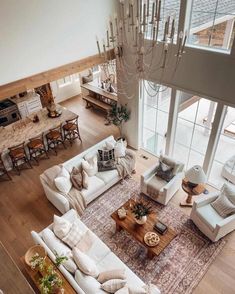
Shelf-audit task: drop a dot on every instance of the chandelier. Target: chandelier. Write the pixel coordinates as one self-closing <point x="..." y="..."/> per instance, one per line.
<point x="143" y="42"/>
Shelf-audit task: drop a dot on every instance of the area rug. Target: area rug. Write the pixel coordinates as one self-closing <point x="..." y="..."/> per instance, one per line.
<point x="180" y="267"/>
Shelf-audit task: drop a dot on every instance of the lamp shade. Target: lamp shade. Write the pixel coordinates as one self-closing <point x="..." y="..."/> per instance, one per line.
<point x="196" y="175"/>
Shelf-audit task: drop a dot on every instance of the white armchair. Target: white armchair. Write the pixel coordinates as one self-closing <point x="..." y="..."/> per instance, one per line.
<point x="164" y="190"/>
<point x="208" y="220"/>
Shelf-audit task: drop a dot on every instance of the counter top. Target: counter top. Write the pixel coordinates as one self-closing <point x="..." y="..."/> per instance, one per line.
<point x="24" y="129"/>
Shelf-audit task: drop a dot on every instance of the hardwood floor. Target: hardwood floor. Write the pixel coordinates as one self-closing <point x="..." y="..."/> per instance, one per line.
<point x="24" y="207"/>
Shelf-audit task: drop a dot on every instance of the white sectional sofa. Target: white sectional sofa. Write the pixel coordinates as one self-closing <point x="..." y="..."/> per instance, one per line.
<point x="104" y="258"/>
<point x="97" y="184"/>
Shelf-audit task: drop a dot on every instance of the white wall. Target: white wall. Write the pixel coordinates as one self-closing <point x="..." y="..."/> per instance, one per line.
<point x="37" y="35"/>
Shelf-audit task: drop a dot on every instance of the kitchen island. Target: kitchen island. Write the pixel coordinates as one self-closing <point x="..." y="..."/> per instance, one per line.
<point x="24" y="129"/>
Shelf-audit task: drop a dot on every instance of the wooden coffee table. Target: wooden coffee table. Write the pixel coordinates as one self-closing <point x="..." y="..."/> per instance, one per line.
<point x="138" y="231"/>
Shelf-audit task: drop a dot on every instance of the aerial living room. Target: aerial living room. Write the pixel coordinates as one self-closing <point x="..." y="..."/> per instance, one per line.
<point x="117" y="146"/>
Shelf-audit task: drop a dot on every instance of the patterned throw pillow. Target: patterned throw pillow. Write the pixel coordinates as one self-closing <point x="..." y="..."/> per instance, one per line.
<point x="74" y="236"/>
<point x="76" y="178"/>
<point x="223" y="206"/>
<point x="106" y="155"/>
<point x="164" y="171"/>
<point x="113" y="285"/>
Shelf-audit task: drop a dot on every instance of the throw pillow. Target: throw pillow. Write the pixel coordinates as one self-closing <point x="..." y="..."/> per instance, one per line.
<point x="229" y="191"/>
<point x="137" y="290"/>
<point x="223" y="206"/>
<point x="119" y="149"/>
<point x="85" y="263"/>
<point x="105" y="155"/>
<point x="74" y="235"/>
<point x="61" y="226"/>
<point x="110" y="144"/>
<point x="114" y="285"/>
<point x="85" y="180"/>
<point x="164" y="171"/>
<point x="123" y="290"/>
<point x="90" y="166"/>
<point x="62" y="181"/>
<point x="88" y="284"/>
<point x="76" y="178"/>
<point x="111" y="274"/>
<point x="106" y="165"/>
<point x="86" y="242"/>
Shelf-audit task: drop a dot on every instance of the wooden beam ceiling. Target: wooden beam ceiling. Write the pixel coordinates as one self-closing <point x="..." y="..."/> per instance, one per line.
<point x="40" y="79"/>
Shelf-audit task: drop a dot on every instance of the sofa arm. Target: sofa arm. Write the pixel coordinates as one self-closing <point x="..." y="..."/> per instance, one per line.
<point x="176" y="179"/>
<point x="203" y="199"/>
<point x="148" y="173"/>
<point x="230" y="220"/>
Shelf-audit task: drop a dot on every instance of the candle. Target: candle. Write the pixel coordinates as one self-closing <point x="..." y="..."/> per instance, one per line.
<point x="144" y="14"/>
<point x="165" y="32"/>
<point x="159" y="10"/>
<point x="180" y="42"/>
<point x="156" y="9"/>
<point x="98" y="45"/>
<point x="167" y="27"/>
<point x="132" y="15"/>
<point x="147" y="8"/>
<point x="172" y="28"/>
<point x="111" y="30"/>
<point x="154" y="32"/>
<point x="136" y="36"/>
<point x="140" y="16"/>
<point x="107" y="38"/>
<point x="185" y="37"/>
<point x="137" y="8"/>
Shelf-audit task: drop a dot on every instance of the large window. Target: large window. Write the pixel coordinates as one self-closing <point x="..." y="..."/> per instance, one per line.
<point x="211" y="23"/>
<point x="223" y="166"/>
<point x="155" y="116"/>
<point x="193" y="129"/>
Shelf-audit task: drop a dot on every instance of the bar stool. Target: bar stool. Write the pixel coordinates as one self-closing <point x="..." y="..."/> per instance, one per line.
<point x="36" y="148"/>
<point x="18" y="156"/>
<point x="71" y="130"/>
<point x="54" y="138"/>
<point x="3" y="170"/>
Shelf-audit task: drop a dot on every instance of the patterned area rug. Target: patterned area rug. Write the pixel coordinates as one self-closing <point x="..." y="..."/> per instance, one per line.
<point x="179" y="268"/>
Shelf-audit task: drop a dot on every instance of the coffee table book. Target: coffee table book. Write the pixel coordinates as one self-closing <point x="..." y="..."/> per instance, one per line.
<point x="138" y="231"/>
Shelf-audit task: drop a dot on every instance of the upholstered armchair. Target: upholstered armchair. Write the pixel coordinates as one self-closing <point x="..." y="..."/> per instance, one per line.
<point x="158" y="189"/>
<point x="208" y="220"/>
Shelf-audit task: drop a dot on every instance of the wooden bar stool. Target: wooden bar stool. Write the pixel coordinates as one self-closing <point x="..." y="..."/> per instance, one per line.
<point x="18" y="156"/>
<point x="54" y="138"/>
<point x="37" y="148"/>
<point x="3" y="170"/>
<point x="71" y="130"/>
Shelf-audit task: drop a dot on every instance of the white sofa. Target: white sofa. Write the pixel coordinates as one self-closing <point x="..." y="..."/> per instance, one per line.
<point x="97" y="185"/>
<point x="208" y="220"/>
<point x="104" y="258"/>
<point x="166" y="189"/>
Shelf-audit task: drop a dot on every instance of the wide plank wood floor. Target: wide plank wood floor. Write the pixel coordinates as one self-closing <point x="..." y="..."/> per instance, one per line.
<point x="24" y="207"/>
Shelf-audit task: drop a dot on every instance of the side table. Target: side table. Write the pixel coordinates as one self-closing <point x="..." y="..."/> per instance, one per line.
<point x="199" y="189"/>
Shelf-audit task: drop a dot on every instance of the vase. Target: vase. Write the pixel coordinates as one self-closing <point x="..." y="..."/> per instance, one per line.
<point x="142" y="220"/>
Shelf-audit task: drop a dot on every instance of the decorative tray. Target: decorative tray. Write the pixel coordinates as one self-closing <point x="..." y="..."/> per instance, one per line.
<point x="151" y="239"/>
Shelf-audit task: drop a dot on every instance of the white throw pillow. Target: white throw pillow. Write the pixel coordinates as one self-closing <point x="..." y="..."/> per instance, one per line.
<point x="229" y="191"/>
<point x="111" y="274"/>
<point x="90" y="166"/>
<point x="110" y="145"/>
<point x="85" y="263"/>
<point x="85" y="180"/>
<point x="61" y="226"/>
<point x="119" y="149"/>
<point x="74" y="235"/>
<point x="63" y="182"/>
<point x="88" y="284"/>
<point x="137" y="290"/>
<point x="55" y="245"/>
<point x="123" y="290"/>
<point x="113" y="285"/>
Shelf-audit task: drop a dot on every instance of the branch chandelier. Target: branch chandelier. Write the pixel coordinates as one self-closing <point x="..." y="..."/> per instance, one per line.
<point x="134" y="35"/>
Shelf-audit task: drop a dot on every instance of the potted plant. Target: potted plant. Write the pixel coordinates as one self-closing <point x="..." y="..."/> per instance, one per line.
<point x="141" y="211"/>
<point x="118" y="115"/>
<point x="51" y="282"/>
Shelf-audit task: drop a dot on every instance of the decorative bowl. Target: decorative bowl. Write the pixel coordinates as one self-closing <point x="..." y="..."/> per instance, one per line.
<point x="151" y="239"/>
<point x="32" y="251"/>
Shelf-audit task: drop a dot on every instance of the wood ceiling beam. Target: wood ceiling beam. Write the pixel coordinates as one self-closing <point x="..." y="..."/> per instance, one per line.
<point x="43" y="78"/>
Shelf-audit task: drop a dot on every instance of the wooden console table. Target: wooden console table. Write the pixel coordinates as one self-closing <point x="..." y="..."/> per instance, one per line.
<point x="98" y="97"/>
<point x="199" y="189"/>
<point x="35" y="276"/>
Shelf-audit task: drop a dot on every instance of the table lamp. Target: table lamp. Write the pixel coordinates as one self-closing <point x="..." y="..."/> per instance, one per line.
<point x="195" y="175"/>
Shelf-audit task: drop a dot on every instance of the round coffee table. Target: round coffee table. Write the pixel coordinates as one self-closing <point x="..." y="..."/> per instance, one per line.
<point x="199" y="189"/>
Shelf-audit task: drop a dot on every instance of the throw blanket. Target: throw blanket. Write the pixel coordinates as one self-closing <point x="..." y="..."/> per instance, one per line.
<point x="126" y="165"/>
<point x="74" y="196"/>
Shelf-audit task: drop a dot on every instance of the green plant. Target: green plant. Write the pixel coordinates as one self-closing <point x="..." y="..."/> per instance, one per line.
<point x="37" y="262"/>
<point x="59" y="259"/>
<point x="140" y="209"/>
<point x="50" y="281"/>
<point x="118" y="115"/>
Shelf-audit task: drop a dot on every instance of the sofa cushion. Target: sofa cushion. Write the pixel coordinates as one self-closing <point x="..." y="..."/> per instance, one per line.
<point x="154" y="185"/>
<point x="85" y="263"/>
<point x="56" y="245"/>
<point x="61" y="226"/>
<point x="229" y="191"/>
<point x="113" y="285"/>
<point x="85" y="180"/>
<point x="223" y="206"/>
<point x="90" y="166"/>
<point x="209" y="216"/>
<point x="86" y="242"/>
<point x="111" y="274"/>
<point x="63" y="182"/>
<point x="108" y="176"/>
<point x="87" y="283"/>
<point x="94" y="184"/>
<point x="73" y="236"/>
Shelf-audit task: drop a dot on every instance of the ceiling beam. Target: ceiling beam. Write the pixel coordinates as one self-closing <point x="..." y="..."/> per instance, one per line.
<point x="43" y="78"/>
